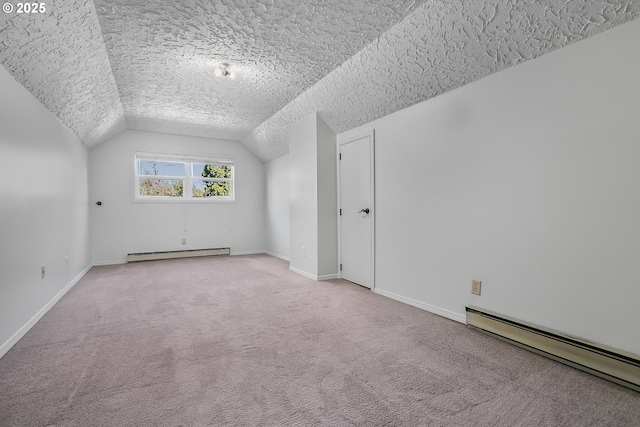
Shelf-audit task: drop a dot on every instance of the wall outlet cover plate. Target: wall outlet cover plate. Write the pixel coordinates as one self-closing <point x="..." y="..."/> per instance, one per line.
<point x="476" y="287"/>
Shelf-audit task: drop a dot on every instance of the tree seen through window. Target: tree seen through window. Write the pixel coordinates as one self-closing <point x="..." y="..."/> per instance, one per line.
<point x="182" y="178"/>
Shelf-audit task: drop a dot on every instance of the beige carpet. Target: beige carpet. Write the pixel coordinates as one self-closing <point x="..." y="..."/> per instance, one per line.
<point x="243" y="341"/>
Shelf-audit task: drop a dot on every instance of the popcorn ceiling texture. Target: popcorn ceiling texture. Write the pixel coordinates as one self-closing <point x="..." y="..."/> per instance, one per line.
<point x="108" y="65"/>
<point x="60" y="58"/>
<point x="441" y="46"/>
<point x="163" y="55"/>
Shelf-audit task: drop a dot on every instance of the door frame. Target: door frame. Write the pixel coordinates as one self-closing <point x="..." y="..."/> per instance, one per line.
<point x="372" y="215"/>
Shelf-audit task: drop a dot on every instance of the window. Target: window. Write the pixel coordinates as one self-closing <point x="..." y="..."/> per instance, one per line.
<point x="182" y="178"/>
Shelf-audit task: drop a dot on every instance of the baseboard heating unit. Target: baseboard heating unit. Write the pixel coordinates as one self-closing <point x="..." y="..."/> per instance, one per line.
<point x="151" y="256"/>
<point x="612" y="364"/>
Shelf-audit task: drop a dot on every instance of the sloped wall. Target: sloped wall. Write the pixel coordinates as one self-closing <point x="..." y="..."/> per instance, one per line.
<point x="44" y="213"/>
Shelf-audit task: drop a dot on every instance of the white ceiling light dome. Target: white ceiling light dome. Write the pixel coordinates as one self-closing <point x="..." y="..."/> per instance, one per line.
<point x="225" y="70"/>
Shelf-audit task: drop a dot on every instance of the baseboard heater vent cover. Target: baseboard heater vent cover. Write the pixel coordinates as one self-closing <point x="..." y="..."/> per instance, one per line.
<point x="614" y="365"/>
<point x="151" y="256"/>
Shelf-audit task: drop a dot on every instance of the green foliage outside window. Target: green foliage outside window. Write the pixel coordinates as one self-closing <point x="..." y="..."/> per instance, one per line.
<point x="188" y="179"/>
<point x="216" y="188"/>
<point x="161" y="187"/>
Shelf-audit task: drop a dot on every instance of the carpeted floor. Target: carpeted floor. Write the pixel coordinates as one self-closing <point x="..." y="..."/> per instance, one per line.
<point x="243" y="341"/>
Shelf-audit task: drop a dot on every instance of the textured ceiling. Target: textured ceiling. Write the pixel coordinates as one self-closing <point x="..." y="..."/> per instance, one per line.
<point x="105" y="65"/>
<point x="108" y="65"/>
<point x="60" y="58"/>
<point x="441" y="46"/>
<point x="163" y="54"/>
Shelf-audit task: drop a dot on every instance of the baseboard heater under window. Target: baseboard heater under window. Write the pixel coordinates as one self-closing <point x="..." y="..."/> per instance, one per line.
<point x="151" y="256"/>
<point x="612" y="364"/>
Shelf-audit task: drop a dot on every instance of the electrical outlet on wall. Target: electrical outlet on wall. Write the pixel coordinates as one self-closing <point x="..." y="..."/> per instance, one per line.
<point x="476" y="286"/>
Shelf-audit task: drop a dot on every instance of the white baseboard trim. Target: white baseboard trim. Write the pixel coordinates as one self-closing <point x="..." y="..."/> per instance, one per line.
<point x="22" y="331"/>
<point x="313" y="276"/>
<point x="303" y="273"/>
<point x="423" y="306"/>
<point x="282" y="257"/>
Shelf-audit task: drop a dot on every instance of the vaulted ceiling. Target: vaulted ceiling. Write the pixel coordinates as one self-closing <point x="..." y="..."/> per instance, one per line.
<point x="107" y="65"/>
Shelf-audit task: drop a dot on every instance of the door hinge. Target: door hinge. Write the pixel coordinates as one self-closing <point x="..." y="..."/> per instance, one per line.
<point x="340" y="267"/>
<point x="340" y="156"/>
<point x="340" y="212"/>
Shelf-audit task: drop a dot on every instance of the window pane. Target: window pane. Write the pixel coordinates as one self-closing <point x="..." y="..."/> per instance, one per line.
<point x="161" y="187"/>
<point x="211" y="171"/>
<point x="211" y="189"/>
<point x="155" y="167"/>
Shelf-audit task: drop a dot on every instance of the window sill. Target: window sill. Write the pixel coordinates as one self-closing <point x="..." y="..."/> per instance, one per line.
<point x="185" y="201"/>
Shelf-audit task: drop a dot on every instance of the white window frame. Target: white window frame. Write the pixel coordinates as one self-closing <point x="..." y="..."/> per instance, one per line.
<point x="188" y="178"/>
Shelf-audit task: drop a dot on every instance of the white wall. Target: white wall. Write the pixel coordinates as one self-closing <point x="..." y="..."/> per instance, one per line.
<point x="313" y="199"/>
<point x="277" y="207"/>
<point x="327" y="200"/>
<point x="44" y="215"/>
<point x="528" y="180"/>
<point x="121" y="226"/>
<point x="303" y="196"/>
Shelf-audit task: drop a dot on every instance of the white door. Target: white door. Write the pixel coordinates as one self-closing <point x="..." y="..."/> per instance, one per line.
<point x="356" y="210"/>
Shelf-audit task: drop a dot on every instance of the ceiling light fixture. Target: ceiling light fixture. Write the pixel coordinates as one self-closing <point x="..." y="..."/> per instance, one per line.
<point x="225" y="70"/>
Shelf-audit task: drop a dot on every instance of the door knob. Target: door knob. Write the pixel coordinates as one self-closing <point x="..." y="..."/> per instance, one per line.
<point x="365" y="210"/>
